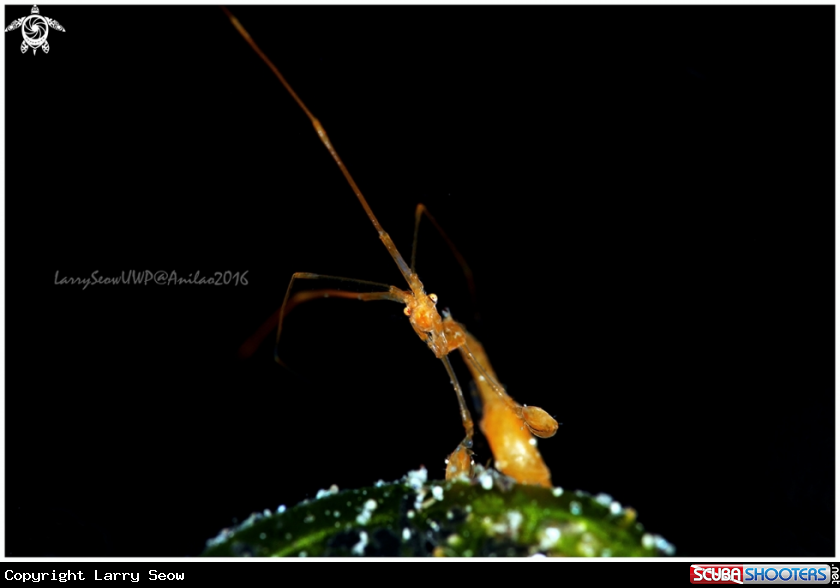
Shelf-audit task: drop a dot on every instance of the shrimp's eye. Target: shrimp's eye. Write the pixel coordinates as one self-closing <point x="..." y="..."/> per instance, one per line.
<point x="433" y="298"/>
<point x="539" y="422"/>
<point x="407" y="311"/>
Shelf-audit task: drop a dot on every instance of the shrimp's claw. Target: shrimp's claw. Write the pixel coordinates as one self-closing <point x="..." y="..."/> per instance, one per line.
<point x="539" y="422"/>
<point x="460" y="463"/>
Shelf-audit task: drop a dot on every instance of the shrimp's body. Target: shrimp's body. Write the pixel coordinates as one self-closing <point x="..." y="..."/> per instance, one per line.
<point x="507" y="425"/>
<point x="513" y="445"/>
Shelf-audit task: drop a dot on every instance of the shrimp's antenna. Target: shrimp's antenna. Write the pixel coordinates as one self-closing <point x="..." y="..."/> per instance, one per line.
<point x="410" y="277"/>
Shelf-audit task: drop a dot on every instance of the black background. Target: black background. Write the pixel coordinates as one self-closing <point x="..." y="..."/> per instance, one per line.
<point x="645" y="196"/>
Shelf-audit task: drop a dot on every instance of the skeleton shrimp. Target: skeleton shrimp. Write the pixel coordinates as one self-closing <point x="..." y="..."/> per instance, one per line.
<point x="508" y="426"/>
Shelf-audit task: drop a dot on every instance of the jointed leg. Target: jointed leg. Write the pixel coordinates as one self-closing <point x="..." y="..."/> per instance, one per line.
<point x="460" y="461"/>
<point x="466" y="418"/>
<point x="276" y="320"/>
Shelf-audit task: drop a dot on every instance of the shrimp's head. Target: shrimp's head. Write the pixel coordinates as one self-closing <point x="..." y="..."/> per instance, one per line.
<point x="421" y="309"/>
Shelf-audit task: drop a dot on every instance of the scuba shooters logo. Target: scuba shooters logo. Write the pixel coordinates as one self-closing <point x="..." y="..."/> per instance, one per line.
<point x="35" y="29"/>
<point x="760" y="574"/>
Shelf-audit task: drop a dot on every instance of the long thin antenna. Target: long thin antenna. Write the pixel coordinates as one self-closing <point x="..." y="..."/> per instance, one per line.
<point x="383" y="236"/>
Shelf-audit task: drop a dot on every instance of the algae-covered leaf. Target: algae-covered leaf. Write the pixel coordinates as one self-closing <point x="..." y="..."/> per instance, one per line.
<point x="488" y="516"/>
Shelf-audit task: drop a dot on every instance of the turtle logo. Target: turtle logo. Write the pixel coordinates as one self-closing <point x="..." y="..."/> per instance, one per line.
<point x="35" y="30"/>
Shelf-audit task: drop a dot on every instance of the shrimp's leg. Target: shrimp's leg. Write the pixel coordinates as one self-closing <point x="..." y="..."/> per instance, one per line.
<point x="275" y="321"/>
<point x="460" y="461"/>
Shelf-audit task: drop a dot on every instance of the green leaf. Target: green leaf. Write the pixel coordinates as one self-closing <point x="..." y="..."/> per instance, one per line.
<point x="490" y="515"/>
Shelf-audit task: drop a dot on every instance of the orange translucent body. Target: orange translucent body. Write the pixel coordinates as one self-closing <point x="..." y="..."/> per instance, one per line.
<point x="508" y="426"/>
<point x="514" y="447"/>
